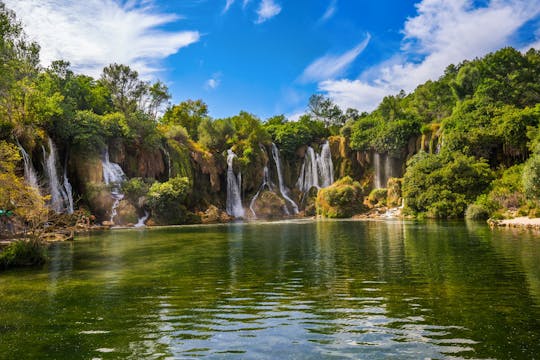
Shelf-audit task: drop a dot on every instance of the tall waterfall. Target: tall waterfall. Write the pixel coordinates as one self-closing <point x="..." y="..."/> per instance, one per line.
<point x="385" y="167"/>
<point x="113" y="175"/>
<point x="234" y="185"/>
<point x="61" y="196"/>
<point x="30" y="174"/>
<point x="282" y="189"/>
<point x="317" y="170"/>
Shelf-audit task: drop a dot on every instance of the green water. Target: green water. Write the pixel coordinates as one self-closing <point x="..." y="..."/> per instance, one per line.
<point x="307" y="290"/>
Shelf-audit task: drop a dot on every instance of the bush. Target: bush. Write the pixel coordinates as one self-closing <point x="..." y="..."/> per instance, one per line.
<point x="377" y="197"/>
<point x="23" y="253"/>
<point x="168" y="201"/>
<point x="443" y="185"/>
<point x="341" y="200"/>
<point x="476" y="212"/>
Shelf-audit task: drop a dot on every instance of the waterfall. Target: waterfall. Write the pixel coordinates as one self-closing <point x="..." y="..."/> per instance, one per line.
<point x="282" y="189"/>
<point x="69" y="192"/>
<point x="113" y="175"/>
<point x="317" y="169"/>
<point x="377" y="171"/>
<point x="168" y="155"/>
<point x="385" y="167"/>
<point x="266" y="182"/>
<point x="60" y="201"/>
<point x="326" y="167"/>
<point x="30" y="174"/>
<point x="141" y="221"/>
<point x="234" y="185"/>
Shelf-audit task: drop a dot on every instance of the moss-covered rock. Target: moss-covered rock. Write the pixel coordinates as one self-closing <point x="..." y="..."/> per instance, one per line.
<point x="377" y="197"/>
<point x="269" y="205"/>
<point x="341" y="200"/>
<point x="394" y="197"/>
<point x="214" y="215"/>
<point x="126" y="213"/>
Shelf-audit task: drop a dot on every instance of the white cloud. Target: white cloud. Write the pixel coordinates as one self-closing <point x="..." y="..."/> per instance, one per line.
<point x="267" y="10"/>
<point x="213" y="82"/>
<point x="442" y="33"/>
<point x="330" y="66"/>
<point x="330" y="12"/>
<point x="228" y="5"/>
<point x="94" y="33"/>
<point x="245" y="3"/>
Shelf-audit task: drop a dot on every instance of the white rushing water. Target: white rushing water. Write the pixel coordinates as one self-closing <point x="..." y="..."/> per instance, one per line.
<point x="61" y="196"/>
<point x="30" y="175"/>
<point x="282" y="189"/>
<point x="141" y="222"/>
<point x="234" y="186"/>
<point x="385" y="167"/>
<point x="113" y="175"/>
<point x="317" y="170"/>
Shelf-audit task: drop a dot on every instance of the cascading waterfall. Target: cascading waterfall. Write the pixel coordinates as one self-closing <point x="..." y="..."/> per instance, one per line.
<point x="385" y="167"/>
<point x="326" y="167"/>
<point x="60" y="200"/>
<point x="282" y="189"/>
<point x="113" y="175"/>
<point x="317" y="170"/>
<point x="30" y="174"/>
<point x="377" y="178"/>
<point x="69" y="192"/>
<point x="141" y="222"/>
<point x="234" y="185"/>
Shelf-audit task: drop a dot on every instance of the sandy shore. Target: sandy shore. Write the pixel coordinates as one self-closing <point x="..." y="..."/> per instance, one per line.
<point x="519" y="222"/>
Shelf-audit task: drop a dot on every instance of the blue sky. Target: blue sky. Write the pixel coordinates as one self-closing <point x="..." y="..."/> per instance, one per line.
<point x="268" y="56"/>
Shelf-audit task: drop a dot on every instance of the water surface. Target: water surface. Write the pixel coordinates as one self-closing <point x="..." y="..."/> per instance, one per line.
<point x="300" y="290"/>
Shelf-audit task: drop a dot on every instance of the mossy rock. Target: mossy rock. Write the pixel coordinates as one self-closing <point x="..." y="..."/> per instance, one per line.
<point x="126" y="213"/>
<point x="377" y="197"/>
<point x="269" y="205"/>
<point x="341" y="200"/>
<point x="394" y="196"/>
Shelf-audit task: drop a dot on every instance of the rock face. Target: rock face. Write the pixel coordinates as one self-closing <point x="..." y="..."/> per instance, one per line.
<point x="269" y="205"/>
<point x="214" y="215"/>
<point x="341" y="200"/>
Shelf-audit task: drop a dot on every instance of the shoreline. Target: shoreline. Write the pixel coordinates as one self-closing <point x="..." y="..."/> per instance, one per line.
<point x="516" y="223"/>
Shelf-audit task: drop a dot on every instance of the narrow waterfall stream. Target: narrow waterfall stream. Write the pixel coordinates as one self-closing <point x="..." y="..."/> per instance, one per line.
<point x="61" y="196"/>
<point x="282" y="189"/>
<point x="113" y="175"/>
<point x="317" y="170"/>
<point x="30" y="174"/>
<point x="266" y="183"/>
<point x="234" y="186"/>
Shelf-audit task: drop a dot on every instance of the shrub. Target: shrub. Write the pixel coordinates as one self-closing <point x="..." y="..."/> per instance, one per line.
<point x="377" y="197"/>
<point x="23" y="253"/>
<point x="476" y="212"/>
<point x="342" y="199"/>
<point x="168" y="201"/>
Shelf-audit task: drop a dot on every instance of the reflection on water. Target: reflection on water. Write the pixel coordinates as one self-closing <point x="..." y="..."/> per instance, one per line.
<point x="309" y="290"/>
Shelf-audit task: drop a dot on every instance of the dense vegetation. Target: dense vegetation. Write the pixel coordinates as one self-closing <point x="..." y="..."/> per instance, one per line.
<point x="467" y="140"/>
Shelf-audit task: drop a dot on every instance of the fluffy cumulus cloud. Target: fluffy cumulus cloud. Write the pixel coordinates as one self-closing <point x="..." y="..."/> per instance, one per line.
<point x="330" y="66"/>
<point x="443" y="32"/>
<point x="267" y="10"/>
<point x="94" y="33"/>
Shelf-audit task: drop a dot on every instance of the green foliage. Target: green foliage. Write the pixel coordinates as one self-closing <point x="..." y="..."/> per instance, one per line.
<point x="136" y="188"/>
<point x="443" y="185"/>
<point x="168" y="201"/>
<point x="531" y="177"/>
<point x="189" y="114"/>
<point x="378" y="197"/>
<point x="341" y="200"/>
<point x="477" y="212"/>
<point x="289" y="136"/>
<point x="23" y="253"/>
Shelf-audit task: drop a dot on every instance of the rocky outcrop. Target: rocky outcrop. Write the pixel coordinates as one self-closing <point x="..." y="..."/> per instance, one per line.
<point x="341" y="200"/>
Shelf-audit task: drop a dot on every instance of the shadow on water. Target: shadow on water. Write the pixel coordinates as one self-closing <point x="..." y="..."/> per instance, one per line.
<point x="326" y="289"/>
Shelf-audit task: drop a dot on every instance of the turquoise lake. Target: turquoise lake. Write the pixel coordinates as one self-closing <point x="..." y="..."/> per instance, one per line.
<point x="283" y="290"/>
